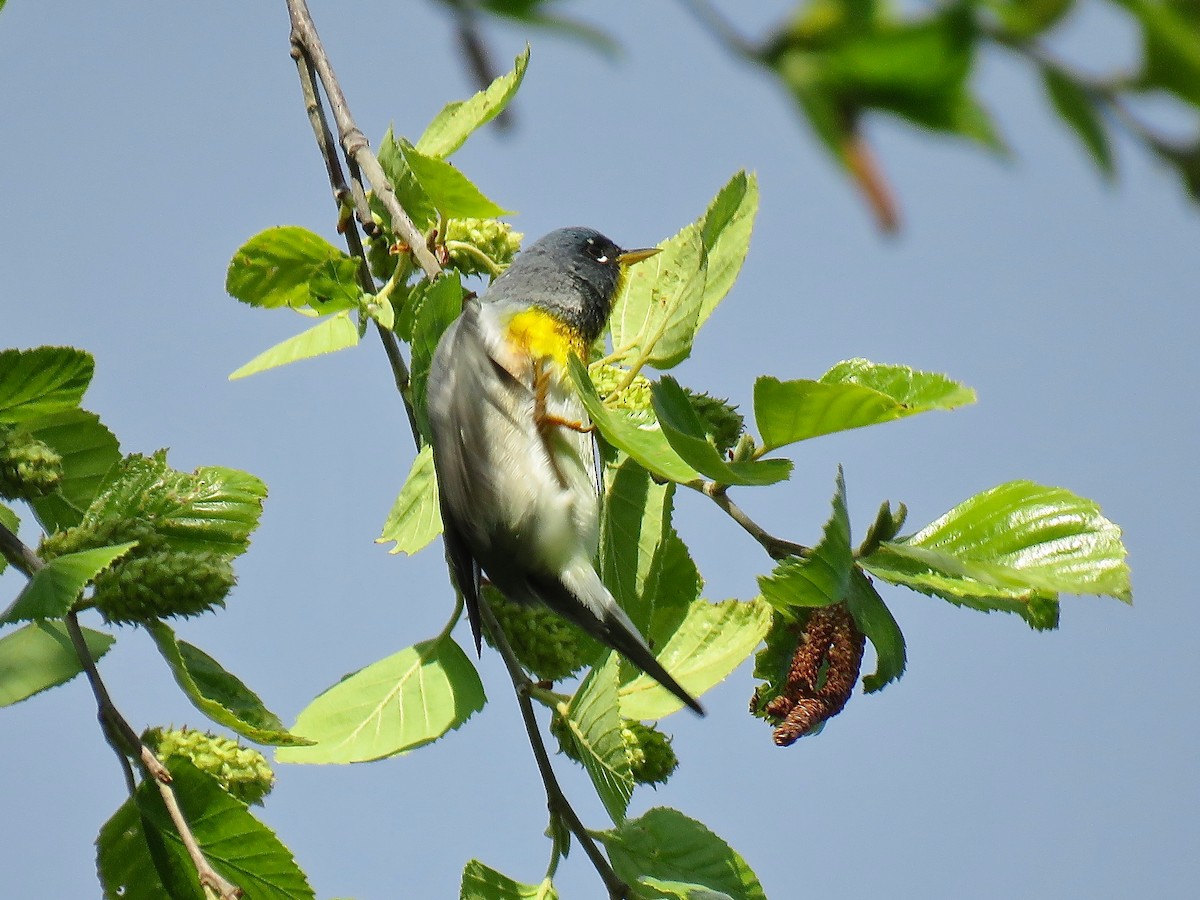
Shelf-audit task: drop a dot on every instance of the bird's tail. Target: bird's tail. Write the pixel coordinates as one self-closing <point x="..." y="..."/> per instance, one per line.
<point x="581" y="596"/>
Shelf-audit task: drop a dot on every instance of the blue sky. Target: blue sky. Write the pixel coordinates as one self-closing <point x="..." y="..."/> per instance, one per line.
<point x="145" y="142"/>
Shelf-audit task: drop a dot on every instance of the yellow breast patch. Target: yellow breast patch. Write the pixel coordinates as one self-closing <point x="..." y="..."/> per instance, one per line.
<point x="541" y="335"/>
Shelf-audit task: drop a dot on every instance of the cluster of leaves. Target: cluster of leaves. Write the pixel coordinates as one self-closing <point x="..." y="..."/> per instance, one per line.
<point x="141" y="542"/>
<point x="1016" y="547"/>
<point x="845" y="61"/>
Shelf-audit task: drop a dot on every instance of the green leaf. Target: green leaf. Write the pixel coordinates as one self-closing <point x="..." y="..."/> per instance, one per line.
<point x="415" y="518"/>
<point x="411" y="195"/>
<point x="39" y="656"/>
<point x="335" y="333"/>
<point x="874" y="619"/>
<point x="450" y="191"/>
<point x="405" y="701"/>
<point x="237" y="845"/>
<point x="213" y="508"/>
<point x="1077" y="108"/>
<point x="42" y="381"/>
<point x="1027" y="18"/>
<point x="1014" y="547"/>
<point x="52" y="590"/>
<point x="853" y="394"/>
<point x="275" y="267"/>
<point x="593" y="728"/>
<point x="664" y="844"/>
<point x="711" y="641"/>
<point x="821" y="578"/>
<point x="1170" y="46"/>
<point x="657" y="310"/>
<point x="725" y="230"/>
<point x="441" y="304"/>
<point x="480" y="882"/>
<point x="88" y="451"/>
<point x="531" y="12"/>
<point x="686" y="434"/>
<point x="642" y="560"/>
<point x="333" y="286"/>
<point x="683" y="890"/>
<point x="218" y="694"/>
<point x="457" y="121"/>
<point x="647" y="444"/>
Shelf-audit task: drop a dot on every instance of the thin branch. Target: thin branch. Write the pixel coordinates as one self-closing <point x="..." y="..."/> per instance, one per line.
<point x="309" y="54"/>
<point x="777" y="548"/>
<point x="556" y="800"/>
<point x="354" y="143"/>
<point x="118" y="733"/>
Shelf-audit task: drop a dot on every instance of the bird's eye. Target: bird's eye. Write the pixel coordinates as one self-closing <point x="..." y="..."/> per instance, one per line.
<point x="595" y="251"/>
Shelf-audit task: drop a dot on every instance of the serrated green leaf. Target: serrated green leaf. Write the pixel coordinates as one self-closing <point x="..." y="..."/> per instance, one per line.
<point x="1077" y="108"/>
<point x="647" y="444"/>
<point x="440" y="305"/>
<point x="874" y="619"/>
<point x="686" y="434"/>
<point x="212" y="508"/>
<point x="274" y="268"/>
<point x="480" y="882"/>
<point x="823" y="577"/>
<point x="218" y="694"/>
<point x="237" y="845"/>
<point x="593" y="726"/>
<point x="52" y="590"/>
<point x="448" y="189"/>
<point x="459" y="120"/>
<point x="657" y="310"/>
<point x="853" y="394"/>
<point x="42" y="381"/>
<point x="88" y="450"/>
<point x="402" y="702"/>
<point x="667" y="845"/>
<point x="338" y="332"/>
<point x="415" y="519"/>
<point x="39" y="656"/>
<point x="1014" y="547"/>
<point x="1021" y="534"/>
<point x="725" y="230"/>
<point x="711" y="641"/>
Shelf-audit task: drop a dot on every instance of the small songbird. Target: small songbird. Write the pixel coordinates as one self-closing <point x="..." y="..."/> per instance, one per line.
<point x="514" y="447"/>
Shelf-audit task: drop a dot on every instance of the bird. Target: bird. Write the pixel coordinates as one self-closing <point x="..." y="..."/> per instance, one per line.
<point x="513" y="446"/>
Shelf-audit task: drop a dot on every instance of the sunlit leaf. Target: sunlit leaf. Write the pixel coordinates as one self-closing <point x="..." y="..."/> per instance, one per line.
<point x="448" y="189"/>
<point x="52" y="590"/>
<point x="665" y="844"/>
<point x="338" y="332"/>
<point x="415" y="519"/>
<point x="481" y="882"/>
<point x="593" y="727"/>
<point x="441" y="304"/>
<point x="42" y="381"/>
<point x="711" y="641"/>
<point x="402" y="702"/>
<point x="88" y="450"/>
<point x="725" y="230"/>
<point x="275" y="267"/>
<point x="457" y="121"/>
<point x="821" y="578"/>
<point x="874" y="619"/>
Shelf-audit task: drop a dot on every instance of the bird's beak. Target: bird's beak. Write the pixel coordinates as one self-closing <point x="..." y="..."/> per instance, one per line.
<point x="629" y="257"/>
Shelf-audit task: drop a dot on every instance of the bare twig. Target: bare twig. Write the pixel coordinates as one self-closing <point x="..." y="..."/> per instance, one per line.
<point x="118" y="733"/>
<point x="556" y="800"/>
<point x="777" y="548"/>
<point x="306" y="41"/>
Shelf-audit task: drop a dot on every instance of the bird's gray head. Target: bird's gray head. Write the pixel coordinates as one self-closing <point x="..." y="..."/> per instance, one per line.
<point x="572" y="273"/>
